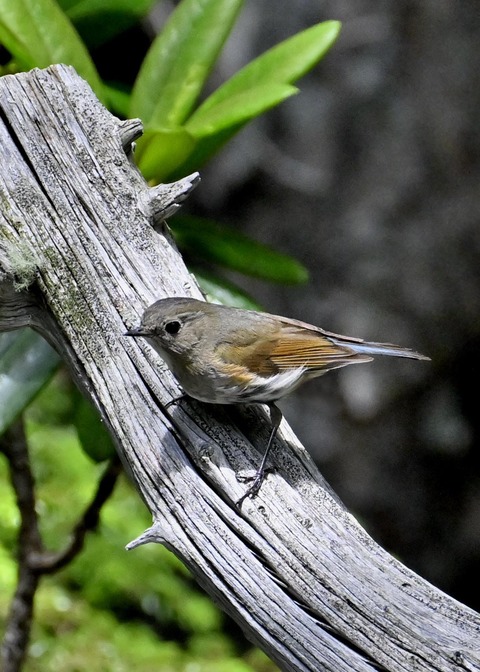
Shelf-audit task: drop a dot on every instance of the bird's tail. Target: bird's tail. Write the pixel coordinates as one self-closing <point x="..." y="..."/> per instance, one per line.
<point x="384" y="349"/>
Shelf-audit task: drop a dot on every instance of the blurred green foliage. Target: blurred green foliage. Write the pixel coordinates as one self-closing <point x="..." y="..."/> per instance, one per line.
<point x="110" y="609"/>
<point x="107" y="611"/>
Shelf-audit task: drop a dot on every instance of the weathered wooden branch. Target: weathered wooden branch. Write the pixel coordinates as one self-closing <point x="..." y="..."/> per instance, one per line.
<point x="293" y="567"/>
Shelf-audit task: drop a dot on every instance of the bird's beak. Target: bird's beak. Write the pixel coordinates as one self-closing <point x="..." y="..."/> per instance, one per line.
<point x="138" y="331"/>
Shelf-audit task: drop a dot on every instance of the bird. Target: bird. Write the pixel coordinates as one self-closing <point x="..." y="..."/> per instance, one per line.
<point x="225" y="355"/>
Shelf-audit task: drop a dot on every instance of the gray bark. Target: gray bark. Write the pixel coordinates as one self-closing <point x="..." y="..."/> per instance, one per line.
<point x="293" y="567"/>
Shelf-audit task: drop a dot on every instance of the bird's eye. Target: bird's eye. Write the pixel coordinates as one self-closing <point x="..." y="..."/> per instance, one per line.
<point x="173" y="327"/>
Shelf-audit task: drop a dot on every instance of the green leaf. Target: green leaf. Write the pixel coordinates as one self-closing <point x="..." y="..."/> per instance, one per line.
<point x="159" y="153"/>
<point x="279" y="66"/>
<point x="219" y="290"/>
<point x="100" y="20"/>
<point x="38" y="34"/>
<point x="204" y="148"/>
<point x="180" y="60"/>
<point x="27" y="363"/>
<point x="283" y="64"/>
<point x="118" y="98"/>
<point x="238" y="109"/>
<point x="92" y="433"/>
<point x="223" y="245"/>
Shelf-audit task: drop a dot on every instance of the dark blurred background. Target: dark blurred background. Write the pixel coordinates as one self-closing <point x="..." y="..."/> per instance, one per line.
<point x="371" y="177"/>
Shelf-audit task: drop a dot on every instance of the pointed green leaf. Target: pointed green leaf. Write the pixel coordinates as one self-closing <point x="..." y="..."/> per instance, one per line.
<point x="283" y="64"/>
<point x="27" y="363"/>
<point x="180" y="60"/>
<point x="159" y="153"/>
<point x="203" y="150"/>
<point x="118" y="98"/>
<point x="238" y="109"/>
<point x="280" y="65"/>
<point x="223" y="245"/>
<point x="38" y="34"/>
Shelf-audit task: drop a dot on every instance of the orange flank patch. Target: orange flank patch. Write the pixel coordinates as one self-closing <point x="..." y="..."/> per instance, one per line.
<point x="241" y="375"/>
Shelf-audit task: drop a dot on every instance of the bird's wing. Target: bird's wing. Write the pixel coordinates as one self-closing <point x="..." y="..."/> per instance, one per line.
<point x="288" y="346"/>
<point x="311" y="350"/>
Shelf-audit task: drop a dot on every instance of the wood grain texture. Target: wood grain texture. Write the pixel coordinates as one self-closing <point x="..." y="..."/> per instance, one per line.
<point x="293" y="567"/>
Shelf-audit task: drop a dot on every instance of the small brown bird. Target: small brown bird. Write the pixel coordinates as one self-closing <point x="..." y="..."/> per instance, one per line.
<point x="224" y="355"/>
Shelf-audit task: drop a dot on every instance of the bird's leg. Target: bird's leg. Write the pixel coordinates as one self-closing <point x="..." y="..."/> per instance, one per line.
<point x="175" y="400"/>
<point x="275" y="418"/>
